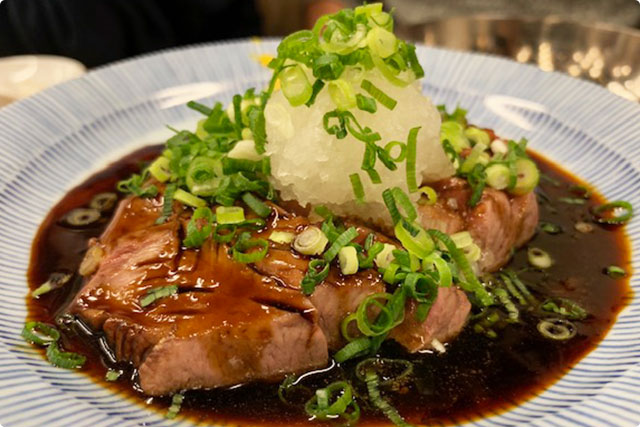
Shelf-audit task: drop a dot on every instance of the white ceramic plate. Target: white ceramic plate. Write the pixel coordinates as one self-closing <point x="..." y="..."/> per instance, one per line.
<point x="50" y="141"/>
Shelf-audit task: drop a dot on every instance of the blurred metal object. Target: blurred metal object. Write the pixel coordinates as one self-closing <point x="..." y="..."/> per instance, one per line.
<point x="603" y="53"/>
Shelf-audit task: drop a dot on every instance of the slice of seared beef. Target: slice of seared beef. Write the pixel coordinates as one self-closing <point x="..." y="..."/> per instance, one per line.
<point x="498" y="224"/>
<point x="227" y="325"/>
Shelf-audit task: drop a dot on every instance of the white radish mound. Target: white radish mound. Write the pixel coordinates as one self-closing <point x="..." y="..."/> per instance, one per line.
<point x="312" y="167"/>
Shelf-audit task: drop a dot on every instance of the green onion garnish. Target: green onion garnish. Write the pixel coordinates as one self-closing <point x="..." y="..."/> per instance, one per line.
<point x="402" y="154"/>
<point x="242" y="250"/>
<point x="317" y="271"/>
<point x="199" y="107"/>
<point x="344" y="239"/>
<point x="176" y="405"/>
<point x="342" y="94"/>
<point x="618" y="212"/>
<point x="414" y="238"/>
<point x="564" y="307"/>
<point x="188" y="199"/>
<point x="471" y="283"/>
<point x="355" y="348"/>
<point x="539" y="258"/>
<point x="159" y="169"/>
<point x="134" y="185"/>
<point x="424" y="290"/>
<point x="256" y="205"/>
<point x="167" y="204"/>
<point x="112" y="375"/>
<point x="378" y="95"/>
<point x="64" y="359"/>
<point x="412" y="185"/>
<point x="56" y="280"/>
<point x="503" y="297"/>
<point x="199" y="227"/>
<point x="356" y="185"/>
<point x="315" y="90"/>
<point x="229" y="214"/>
<point x="615" y="272"/>
<point x="550" y="228"/>
<point x="311" y="241"/>
<point x="572" y="200"/>
<point x="333" y="401"/>
<point x="366" y="103"/>
<point x="372" y="381"/>
<point x="557" y="329"/>
<point x="155" y="294"/>
<point x="224" y="233"/>
<point x="40" y="333"/>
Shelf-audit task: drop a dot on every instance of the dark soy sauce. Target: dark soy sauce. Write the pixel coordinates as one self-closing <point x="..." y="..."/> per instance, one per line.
<point x="476" y="377"/>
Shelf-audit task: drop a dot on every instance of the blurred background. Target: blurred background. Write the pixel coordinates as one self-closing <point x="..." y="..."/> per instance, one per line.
<point x="598" y="40"/>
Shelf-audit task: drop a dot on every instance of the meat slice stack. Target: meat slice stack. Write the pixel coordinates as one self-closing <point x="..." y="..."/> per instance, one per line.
<point x="232" y="323"/>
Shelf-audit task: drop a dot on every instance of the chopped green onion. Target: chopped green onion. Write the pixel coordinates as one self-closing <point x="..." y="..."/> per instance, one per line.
<point x="414" y="238"/>
<point x="393" y="370"/>
<point x="283" y="237"/>
<point x="565" y="308"/>
<point x="580" y="190"/>
<point x="201" y="108"/>
<point x="317" y="271"/>
<point x="134" y="185"/>
<point x="424" y="290"/>
<point x="355" y="348"/>
<point x="385" y="257"/>
<point x="620" y="210"/>
<point x="318" y="85"/>
<point x="343" y="239"/>
<point x="372" y="381"/>
<point x="473" y="158"/>
<point x="199" y="227"/>
<point x="112" y="375"/>
<point x="155" y="294"/>
<point x="295" y="85"/>
<point x="358" y="189"/>
<point x="224" y="233"/>
<point x="572" y="200"/>
<point x="104" y="202"/>
<point x="159" y="169"/>
<point x="378" y="95"/>
<point x="176" y="405"/>
<point x="503" y="296"/>
<point x="242" y="249"/>
<point x="348" y="259"/>
<point x="539" y="258"/>
<point x="167" y="203"/>
<point x="229" y="214"/>
<point x="478" y="136"/>
<point x="342" y="94"/>
<point x="389" y="73"/>
<point x="40" y="333"/>
<point x="442" y="267"/>
<point x="471" y="284"/>
<point x="511" y="278"/>
<point x="412" y="185"/>
<point x="188" y="199"/>
<point x="64" y="359"/>
<point x="550" y="228"/>
<point x="311" y="241"/>
<point x="453" y="132"/>
<point x="498" y="176"/>
<point x="56" y="280"/>
<point x="400" y="199"/>
<point x="382" y="43"/>
<point x="332" y="401"/>
<point x="366" y="103"/>
<point x="429" y="193"/>
<point x="385" y="320"/>
<point x="401" y="155"/>
<point x="615" y="272"/>
<point x="557" y="329"/>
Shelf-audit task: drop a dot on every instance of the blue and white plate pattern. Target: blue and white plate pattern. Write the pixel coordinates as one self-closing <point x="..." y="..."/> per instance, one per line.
<point x="49" y="142"/>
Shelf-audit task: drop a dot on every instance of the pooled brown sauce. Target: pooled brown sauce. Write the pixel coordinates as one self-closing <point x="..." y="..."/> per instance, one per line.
<point x="476" y="377"/>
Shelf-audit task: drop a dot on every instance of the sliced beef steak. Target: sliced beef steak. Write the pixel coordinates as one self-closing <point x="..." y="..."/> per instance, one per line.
<point x="498" y="223"/>
<point x="227" y="325"/>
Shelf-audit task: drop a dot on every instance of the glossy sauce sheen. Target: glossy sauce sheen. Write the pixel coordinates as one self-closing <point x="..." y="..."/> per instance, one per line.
<point x="476" y="377"/>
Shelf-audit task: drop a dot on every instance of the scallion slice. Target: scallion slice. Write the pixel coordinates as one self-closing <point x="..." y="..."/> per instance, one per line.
<point x="155" y="294"/>
<point x="188" y="199"/>
<point x="378" y="95"/>
<point x="617" y="212"/>
<point x="615" y="272"/>
<point x="295" y="85"/>
<point x="471" y="284"/>
<point x="414" y="238"/>
<point x="348" y="260"/>
<point x="64" y="359"/>
<point x="112" y="375"/>
<point x="260" y="208"/>
<point x="229" y="214"/>
<point x="356" y="185"/>
<point x="282" y="237"/>
<point x="199" y="227"/>
<point x="242" y="250"/>
<point x="342" y="95"/>
<point x="159" y="169"/>
<point x="557" y="329"/>
<point x="311" y="241"/>
<point x="167" y="203"/>
<point x="402" y="154"/>
<point x="317" y="271"/>
<point x="355" y="348"/>
<point x="344" y="239"/>
<point x="372" y="381"/>
<point x="366" y="103"/>
<point x="412" y="184"/>
<point x="565" y="308"/>
<point x="176" y="405"/>
<point x="40" y="333"/>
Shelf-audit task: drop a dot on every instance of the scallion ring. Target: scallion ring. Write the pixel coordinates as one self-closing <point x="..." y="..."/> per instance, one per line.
<point x="621" y="212"/>
<point x="40" y="333"/>
<point x="557" y="329"/>
<point x="539" y="258"/>
<point x="402" y="152"/>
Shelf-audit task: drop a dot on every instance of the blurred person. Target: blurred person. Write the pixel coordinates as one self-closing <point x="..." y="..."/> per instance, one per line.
<point x="96" y="32"/>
